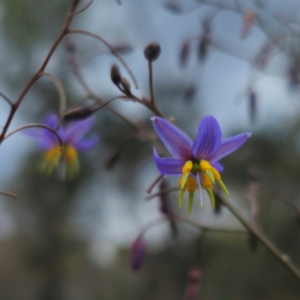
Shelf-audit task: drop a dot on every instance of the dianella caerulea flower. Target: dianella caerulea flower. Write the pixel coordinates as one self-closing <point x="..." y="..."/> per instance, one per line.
<point x="73" y="140"/>
<point x="195" y="161"/>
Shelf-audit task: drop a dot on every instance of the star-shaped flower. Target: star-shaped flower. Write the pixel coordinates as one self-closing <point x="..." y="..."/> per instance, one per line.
<point x="73" y="139"/>
<point x="198" y="159"/>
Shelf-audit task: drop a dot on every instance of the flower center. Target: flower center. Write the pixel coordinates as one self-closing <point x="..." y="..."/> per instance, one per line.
<point x="206" y="175"/>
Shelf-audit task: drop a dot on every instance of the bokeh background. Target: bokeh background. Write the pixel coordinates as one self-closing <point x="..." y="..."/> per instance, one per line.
<point x="70" y="239"/>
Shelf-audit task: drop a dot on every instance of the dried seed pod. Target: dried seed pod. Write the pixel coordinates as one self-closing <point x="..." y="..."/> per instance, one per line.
<point x="184" y="54"/>
<point x="173" y="7"/>
<point x="189" y="93"/>
<point x="252" y="101"/>
<point x="70" y="45"/>
<point x="125" y="87"/>
<point x="77" y="114"/>
<point x="137" y="253"/>
<point x="152" y="51"/>
<point x="115" y="75"/>
<point x="247" y="24"/>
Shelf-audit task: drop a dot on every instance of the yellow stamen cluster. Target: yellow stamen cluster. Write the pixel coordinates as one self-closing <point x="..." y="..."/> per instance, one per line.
<point x="208" y="174"/>
<point x="54" y="155"/>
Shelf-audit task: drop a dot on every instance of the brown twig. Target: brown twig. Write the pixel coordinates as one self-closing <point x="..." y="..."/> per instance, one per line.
<point x="83" y="9"/>
<point x="6" y="99"/>
<point x="110" y="47"/>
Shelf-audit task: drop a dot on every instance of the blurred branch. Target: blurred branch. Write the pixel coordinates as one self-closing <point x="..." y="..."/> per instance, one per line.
<point x="9" y="194"/>
<point x="61" y="93"/>
<point x="6" y="99"/>
<point x="282" y="257"/>
<point x="111" y="48"/>
<point x="36" y="76"/>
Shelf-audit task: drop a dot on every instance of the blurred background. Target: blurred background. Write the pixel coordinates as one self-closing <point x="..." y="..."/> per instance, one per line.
<point x="70" y="239"/>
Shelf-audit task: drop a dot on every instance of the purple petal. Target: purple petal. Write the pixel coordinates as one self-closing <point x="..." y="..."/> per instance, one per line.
<point x="218" y="167"/>
<point x="51" y="120"/>
<point x="45" y="137"/>
<point x="229" y="145"/>
<point x="168" y="165"/>
<point x="87" y="144"/>
<point x="176" y="141"/>
<point x="208" y="139"/>
<point x="75" y="132"/>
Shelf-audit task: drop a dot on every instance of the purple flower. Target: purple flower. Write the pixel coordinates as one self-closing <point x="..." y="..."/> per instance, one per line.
<point x="198" y="159"/>
<point x="73" y="139"/>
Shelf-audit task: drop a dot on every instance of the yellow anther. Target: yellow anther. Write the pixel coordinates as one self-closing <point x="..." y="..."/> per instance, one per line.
<point x="205" y="165"/>
<point x="191" y="184"/>
<point x="206" y="182"/>
<point x="216" y="173"/>
<point x="53" y="154"/>
<point x="70" y="154"/>
<point x="187" y="168"/>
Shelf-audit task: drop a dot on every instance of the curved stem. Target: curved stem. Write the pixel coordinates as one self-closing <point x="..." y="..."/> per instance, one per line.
<point x="150" y="67"/>
<point x="61" y="93"/>
<point x="111" y="48"/>
<point x="33" y="125"/>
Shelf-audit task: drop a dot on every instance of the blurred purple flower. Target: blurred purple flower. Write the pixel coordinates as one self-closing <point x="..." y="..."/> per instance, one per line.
<point x="196" y="159"/>
<point x="73" y="139"/>
<point x="137" y="252"/>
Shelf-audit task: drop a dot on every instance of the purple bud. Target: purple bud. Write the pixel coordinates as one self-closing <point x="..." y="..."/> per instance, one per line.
<point x="115" y="75"/>
<point x="137" y="253"/>
<point x="193" y="284"/>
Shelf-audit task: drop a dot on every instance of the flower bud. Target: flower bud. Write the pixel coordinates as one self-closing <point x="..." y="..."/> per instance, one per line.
<point x="115" y="75"/>
<point x="137" y="253"/>
<point x="152" y="52"/>
<point x="77" y="114"/>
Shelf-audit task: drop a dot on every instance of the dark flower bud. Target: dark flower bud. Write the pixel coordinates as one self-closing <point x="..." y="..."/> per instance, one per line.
<point x="115" y="75"/>
<point x="137" y="253"/>
<point x="125" y="86"/>
<point x="252" y="107"/>
<point x="184" y="54"/>
<point x="173" y="7"/>
<point x="77" y="114"/>
<point x="189" y="93"/>
<point x="152" y="52"/>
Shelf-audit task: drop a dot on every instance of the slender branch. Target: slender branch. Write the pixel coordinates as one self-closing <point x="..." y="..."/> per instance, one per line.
<point x="6" y="99"/>
<point x="264" y="240"/>
<point x="33" y="125"/>
<point x="111" y="48"/>
<point x="174" y="189"/>
<point x="150" y="67"/>
<point x="83" y="9"/>
<point x="154" y="183"/>
<point x="283" y="258"/>
<point x="61" y="93"/>
<point x="206" y="228"/>
<point x="9" y="194"/>
<point x="36" y="76"/>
